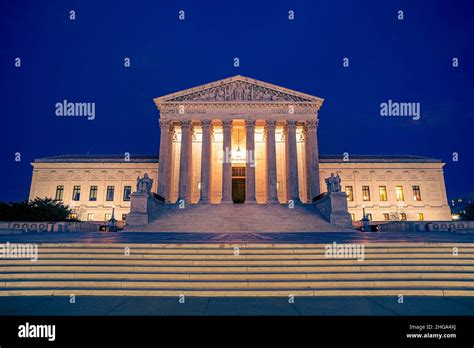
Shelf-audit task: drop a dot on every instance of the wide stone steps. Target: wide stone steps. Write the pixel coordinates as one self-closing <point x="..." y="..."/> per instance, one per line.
<point x="248" y="269"/>
<point x="237" y="218"/>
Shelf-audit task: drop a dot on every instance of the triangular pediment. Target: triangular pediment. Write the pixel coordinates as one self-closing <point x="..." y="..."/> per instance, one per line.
<point x="238" y="89"/>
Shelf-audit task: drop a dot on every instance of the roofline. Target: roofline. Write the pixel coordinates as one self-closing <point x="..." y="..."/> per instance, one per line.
<point x="323" y="158"/>
<point x="159" y="100"/>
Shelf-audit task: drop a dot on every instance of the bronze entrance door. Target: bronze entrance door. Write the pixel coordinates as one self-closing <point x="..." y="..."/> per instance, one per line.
<point x="238" y="184"/>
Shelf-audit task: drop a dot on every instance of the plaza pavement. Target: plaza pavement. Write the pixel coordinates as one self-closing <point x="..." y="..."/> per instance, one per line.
<point x="215" y="306"/>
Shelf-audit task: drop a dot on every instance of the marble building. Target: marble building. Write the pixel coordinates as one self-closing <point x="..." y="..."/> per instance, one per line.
<point x="240" y="140"/>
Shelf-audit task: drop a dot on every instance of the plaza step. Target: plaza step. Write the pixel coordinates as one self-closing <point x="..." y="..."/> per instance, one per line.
<point x="237" y="218"/>
<point x="240" y="269"/>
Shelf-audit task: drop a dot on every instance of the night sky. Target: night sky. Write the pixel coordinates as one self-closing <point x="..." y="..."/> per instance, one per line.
<point x="82" y="60"/>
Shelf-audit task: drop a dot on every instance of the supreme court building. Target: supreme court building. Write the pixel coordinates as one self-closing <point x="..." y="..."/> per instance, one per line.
<point x="240" y="140"/>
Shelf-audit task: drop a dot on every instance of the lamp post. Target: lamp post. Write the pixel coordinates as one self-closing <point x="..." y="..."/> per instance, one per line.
<point x="365" y="225"/>
<point x="111" y="223"/>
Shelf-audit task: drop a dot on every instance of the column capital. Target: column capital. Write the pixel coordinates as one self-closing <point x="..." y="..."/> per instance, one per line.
<point x="206" y="123"/>
<point x="271" y="123"/>
<point x="227" y="123"/>
<point x="311" y="124"/>
<point x="291" y="124"/>
<point x="164" y="123"/>
<point x="185" y="123"/>
<point x="250" y="123"/>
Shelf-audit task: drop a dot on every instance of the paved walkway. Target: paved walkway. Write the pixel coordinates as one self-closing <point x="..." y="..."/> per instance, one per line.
<point x="301" y="237"/>
<point x="321" y="306"/>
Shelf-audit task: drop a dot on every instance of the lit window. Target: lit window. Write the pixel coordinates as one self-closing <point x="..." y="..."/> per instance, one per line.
<point x="93" y="193"/>
<point x="352" y="217"/>
<point x="72" y="216"/>
<point x="386" y="216"/>
<point x="350" y="193"/>
<point x="110" y="193"/>
<point x="399" y="193"/>
<point x="383" y="193"/>
<point x="403" y="216"/>
<point x="420" y="217"/>
<point x="127" y="191"/>
<point x="369" y="216"/>
<point x="199" y="185"/>
<point x="366" y="193"/>
<point x="90" y="217"/>
<point x="416" y="193"/>
<point x="59" y="193"/>
<point x="76" y="193"/>
<point x="108" y="216"/>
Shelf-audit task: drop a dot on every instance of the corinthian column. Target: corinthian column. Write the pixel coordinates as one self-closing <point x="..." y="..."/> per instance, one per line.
<point x="164" y="159"/>
<point x="272" y="195"/>
<point x="227" y="162"/>
<point x="250" y="165"/>
<point x="206" y="162"/>
<point x="313" y="157"/>
<point x="185" y="162"/>
<point x="292" y="161"/>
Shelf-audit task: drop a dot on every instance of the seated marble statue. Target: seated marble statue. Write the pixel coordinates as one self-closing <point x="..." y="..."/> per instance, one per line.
<point x="144" y="184"/>
<point x="333" y="183"/>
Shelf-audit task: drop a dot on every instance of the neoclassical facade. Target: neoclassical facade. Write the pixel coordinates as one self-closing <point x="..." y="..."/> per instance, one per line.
<point x="241" y="140"/>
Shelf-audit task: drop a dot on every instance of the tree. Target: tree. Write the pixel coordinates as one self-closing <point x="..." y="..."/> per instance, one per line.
<point x="469" y="212"/>
<point x="39" y="209"/>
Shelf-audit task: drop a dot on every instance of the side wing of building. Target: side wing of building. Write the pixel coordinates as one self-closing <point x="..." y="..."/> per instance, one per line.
<point x="92" y="185"/>
<point x="390" y="187"/>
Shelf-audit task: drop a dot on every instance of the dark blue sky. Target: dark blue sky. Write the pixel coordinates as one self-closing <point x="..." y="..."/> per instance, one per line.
<point x="82" y="60"/>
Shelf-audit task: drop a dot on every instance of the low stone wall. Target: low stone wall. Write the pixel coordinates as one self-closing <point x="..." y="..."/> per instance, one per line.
<point x="45" y="226"/>
<point x="425" y="226"/>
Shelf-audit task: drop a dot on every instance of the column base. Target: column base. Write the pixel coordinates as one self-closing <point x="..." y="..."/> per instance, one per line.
<point x="227" y="202"/>
<point x="250" y="201"/>
<point x="273" y="201"/>
<point x="204" y="201"/>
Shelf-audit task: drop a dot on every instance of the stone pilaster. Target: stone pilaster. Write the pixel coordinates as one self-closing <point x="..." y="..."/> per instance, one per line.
<point x="164" y="159"/>
<point x="185" y="162"/>
<point x="312" y="127"/>
<point x="250" y="165"/>
<point x="272" y="194"/>
<point x="206" y="162"/>
<point x="227" y="162"/>
<point x="292" y="161"/>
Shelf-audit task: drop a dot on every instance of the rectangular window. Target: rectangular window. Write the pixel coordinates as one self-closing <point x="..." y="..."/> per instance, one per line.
<point x="76" y="193"/>
<point x="110" y="193"/>
<point x="366" y="193"/>
<point x="93" y="193"/>
<point x="383" y="193"/>
<point x="403" y="216"/>
<point x="369" y="216"/>
<point x="416" y="193"/>
<point x="59" y="193"/>
<point x="127" y="191"/>
<point x="386" y="216"/>
<point x="399" y="193"/>
<point x="72" y="216"/>
<point x="90" y="217"/>
<point x="420" y="217"/>
<point x="108" y="216"/>
<point x="353" y="217"/>
<point x="350" y="193"/>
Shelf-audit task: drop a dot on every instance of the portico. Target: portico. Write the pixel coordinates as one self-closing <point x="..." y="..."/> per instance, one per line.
<point x="238" y="140"/>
